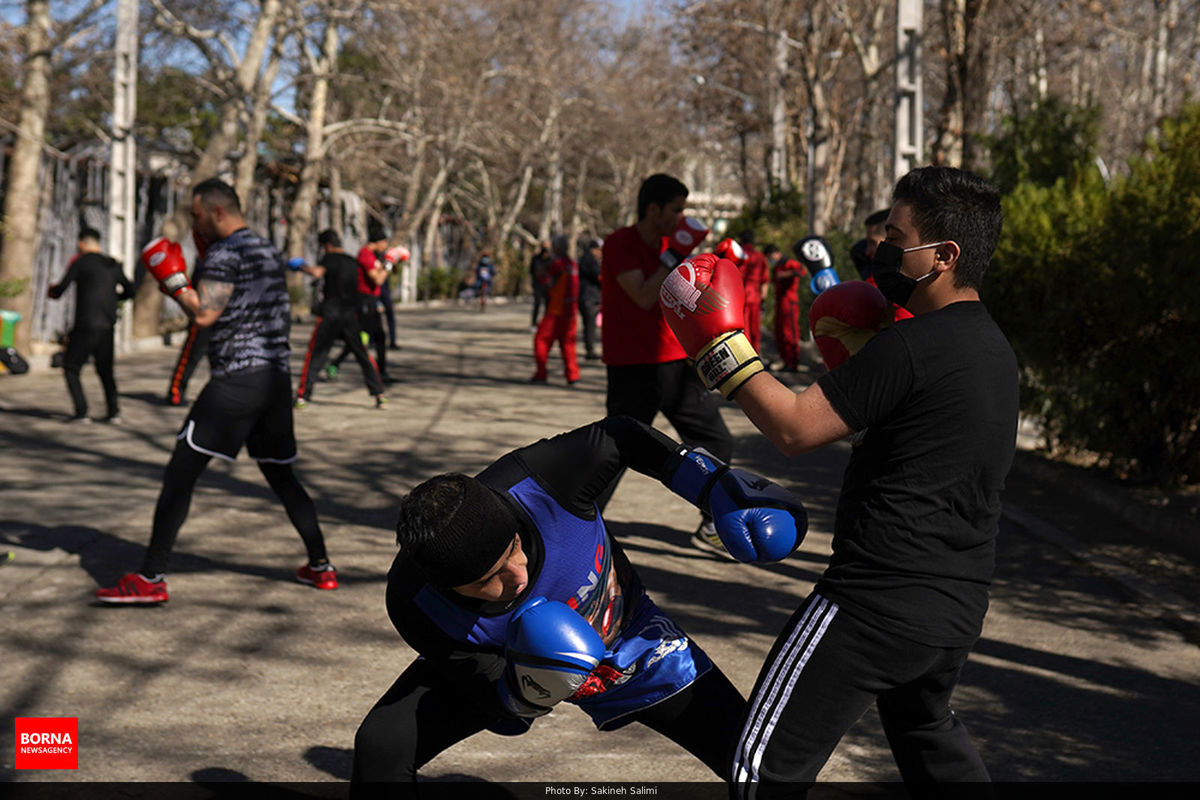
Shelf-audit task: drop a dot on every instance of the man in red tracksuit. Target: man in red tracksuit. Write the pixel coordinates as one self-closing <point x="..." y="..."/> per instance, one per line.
<point x="754" y="277"/>
<point x="558" y="323"/>
<point x="786" y="274"/>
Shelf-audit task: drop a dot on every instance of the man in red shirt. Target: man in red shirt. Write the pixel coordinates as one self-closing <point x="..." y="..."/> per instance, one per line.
<point x="371" y="275"/>
<point x="558" y="323"/>
<point x="648" y="371"/>
<point x="786" y="274"/>
<point x="754" y="276"/>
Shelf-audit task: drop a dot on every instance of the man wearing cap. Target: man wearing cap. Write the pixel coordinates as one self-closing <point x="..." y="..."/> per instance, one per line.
<point x="516" y="597"/>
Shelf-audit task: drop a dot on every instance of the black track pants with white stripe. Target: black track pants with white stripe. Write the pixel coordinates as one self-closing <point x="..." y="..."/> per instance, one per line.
<point x="824" y="671"/>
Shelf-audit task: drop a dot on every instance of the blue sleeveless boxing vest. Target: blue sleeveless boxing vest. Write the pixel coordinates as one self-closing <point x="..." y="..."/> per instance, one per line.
<point x="648" y="660"/>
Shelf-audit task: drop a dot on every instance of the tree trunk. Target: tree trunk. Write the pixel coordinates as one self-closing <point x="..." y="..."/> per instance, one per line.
<point x="301" y="216"/>
<point x="20" y="228"/>
<point x="968" y="78"/>
<point x="948" y="143"/>
<point x="509" y="220"/>
<point x="1166" y="17"/>
<point x="556" y="187"/>
<point x="248" y="163"/>
<point x="148" y="303"/>
<point x="577" y="205"/>
<point x="433" y="253"/>
<point x="778" y="178"/>
<point x="336" y="220"/>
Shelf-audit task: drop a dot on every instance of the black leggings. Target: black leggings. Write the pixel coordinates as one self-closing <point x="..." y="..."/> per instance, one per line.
<point x="424" y="713"/>
<point x="85" y="343"/>
<point x="184" y="469"/>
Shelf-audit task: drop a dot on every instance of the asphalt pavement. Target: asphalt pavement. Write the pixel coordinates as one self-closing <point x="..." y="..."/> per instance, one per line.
<point x="1088" y="669"/>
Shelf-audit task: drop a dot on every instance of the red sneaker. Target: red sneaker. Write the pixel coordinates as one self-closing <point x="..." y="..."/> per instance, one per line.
<point x="323" y="577"/>
<point x="133" y="588"/>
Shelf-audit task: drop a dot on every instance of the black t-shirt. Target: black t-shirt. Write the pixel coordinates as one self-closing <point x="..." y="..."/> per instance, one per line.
<point x="97" y="278"/>
<point x="589" y="277"/>
<point x="340" y="284"/>
<point x="914" y="537"/>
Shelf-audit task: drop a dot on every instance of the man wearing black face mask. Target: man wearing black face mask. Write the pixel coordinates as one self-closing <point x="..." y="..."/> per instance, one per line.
<point x="894" y="617"/>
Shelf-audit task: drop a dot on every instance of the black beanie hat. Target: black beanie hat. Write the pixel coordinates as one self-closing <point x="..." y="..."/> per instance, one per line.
<point x="473" y="539"/>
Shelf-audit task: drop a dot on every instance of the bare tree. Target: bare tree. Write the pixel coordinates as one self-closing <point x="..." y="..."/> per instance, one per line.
<point x="967" y="66"/>
<point x="19" y="227"/>
<point x="236" y="76"/>
<point x="320" y="67"/>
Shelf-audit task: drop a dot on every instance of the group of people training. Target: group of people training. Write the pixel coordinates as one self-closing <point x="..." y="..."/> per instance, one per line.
<point x="512" y="590"/>
<point x="515" y="597"/>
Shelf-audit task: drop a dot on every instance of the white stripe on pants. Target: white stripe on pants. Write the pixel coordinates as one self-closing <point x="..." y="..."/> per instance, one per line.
<point x="772" y="696"/>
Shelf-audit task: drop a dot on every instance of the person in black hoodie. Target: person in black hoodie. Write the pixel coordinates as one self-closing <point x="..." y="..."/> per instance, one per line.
<point x="100" y="282"/>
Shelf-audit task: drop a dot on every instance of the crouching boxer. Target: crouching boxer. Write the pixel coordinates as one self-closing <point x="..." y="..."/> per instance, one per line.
<point x="516" y="597"/>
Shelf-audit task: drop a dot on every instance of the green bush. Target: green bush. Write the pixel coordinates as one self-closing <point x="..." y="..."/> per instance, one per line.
<point x="1094" y="285"/>
<point x="512" y="273"/>
<point x="436" y="283"/>
<point x="1042" y="141"/>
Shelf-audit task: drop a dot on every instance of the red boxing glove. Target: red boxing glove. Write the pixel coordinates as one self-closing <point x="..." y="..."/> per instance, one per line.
<point x="393" y="255"/>
<point x="728" y="248"/>
<point x="163" y="259"/>
<point x="702" y="301"/>
<point x="844" y="317"/>
<point x="687" y="235"/>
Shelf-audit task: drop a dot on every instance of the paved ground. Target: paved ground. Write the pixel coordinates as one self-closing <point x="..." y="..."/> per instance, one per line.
<point x="1087" y="671"/>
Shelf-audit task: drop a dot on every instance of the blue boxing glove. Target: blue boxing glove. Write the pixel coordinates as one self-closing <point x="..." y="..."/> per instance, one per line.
<point x="756" y="519"/>
<point x="551" y="650"/>
<point x="296" y="264"/>
<point x="814" y="254"/>
<point x="823" y="280"/>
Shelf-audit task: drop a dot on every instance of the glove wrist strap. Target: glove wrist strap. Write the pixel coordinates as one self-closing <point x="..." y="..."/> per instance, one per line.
<point x="727" y="362"/>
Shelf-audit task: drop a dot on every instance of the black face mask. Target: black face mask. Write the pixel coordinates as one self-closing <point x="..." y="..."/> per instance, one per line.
<point x="894" y="284"/>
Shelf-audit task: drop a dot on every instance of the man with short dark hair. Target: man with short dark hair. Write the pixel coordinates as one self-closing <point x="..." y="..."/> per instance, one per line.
<point x="755" y="275"/>
<point x="539" y="262"/>
<point x="373" y="273"/>
<point x="862" y="251"/>
<point x="100" y="283"/>
<point x="589" y="295"/>
<point x="558" y="323"/>
<point x="895" y="615"/>
<point x="241" y="294"/>
<point x="648" y="371"/>
<point x="516" y="597"/>
<point x="785" y="278"/>
<point x="338" y="318"/>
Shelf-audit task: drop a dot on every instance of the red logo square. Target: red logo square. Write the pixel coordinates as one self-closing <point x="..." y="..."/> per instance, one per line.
<point x="46" y="743"/>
